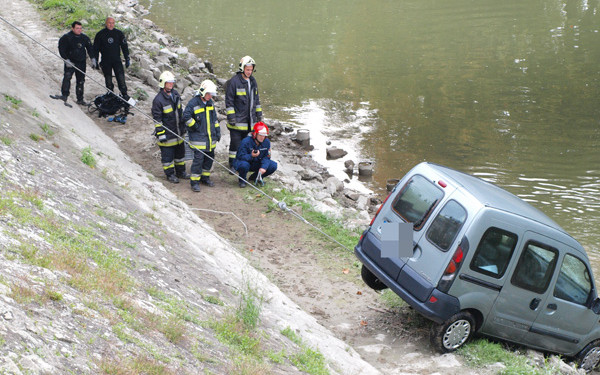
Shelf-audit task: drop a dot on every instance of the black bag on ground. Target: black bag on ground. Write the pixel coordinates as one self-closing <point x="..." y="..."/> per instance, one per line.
<point x="109" y="104"/>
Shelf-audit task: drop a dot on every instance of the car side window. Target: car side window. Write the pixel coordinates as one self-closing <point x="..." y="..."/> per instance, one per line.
<point x="573" y="283"/>
<point x="447" y="224"/>
<point x="494" y="252"/>
<point x="535" y="267"/>
<point x="416" y="200"/>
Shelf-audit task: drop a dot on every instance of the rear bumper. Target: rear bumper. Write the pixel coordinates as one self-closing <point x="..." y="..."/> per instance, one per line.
<point x="439" y="311"/>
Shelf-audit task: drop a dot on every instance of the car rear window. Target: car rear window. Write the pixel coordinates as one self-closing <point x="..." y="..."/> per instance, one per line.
<point x="416" y="200"/>
<point x="447" y="224"/>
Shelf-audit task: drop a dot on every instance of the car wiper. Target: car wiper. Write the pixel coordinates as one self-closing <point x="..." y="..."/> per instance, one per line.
<point x="418" y="223"/>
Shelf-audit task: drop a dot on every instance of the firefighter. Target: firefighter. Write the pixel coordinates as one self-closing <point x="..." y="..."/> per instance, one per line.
<point x="242" y="104"/>
<point x="110" y="42"/>
<point x="72" y="48"/>
<point x="169" y="128"/>
<point x="254" y="155"/>
<point x="204" y="132"/>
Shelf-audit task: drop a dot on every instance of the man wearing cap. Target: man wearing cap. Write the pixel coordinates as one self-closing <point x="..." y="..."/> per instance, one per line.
<point x="254" y="155"/>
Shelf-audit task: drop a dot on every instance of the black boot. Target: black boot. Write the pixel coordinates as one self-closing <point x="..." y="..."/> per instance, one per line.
<point x="172" y="178"/>
<point x="206" y="181"/>
<point x="195" y="186"/>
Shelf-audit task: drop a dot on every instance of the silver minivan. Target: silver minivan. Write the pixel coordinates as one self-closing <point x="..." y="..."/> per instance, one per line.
<point x="483" y="260"/>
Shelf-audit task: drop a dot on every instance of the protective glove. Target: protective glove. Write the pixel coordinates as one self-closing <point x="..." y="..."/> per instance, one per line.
<point x="162" y="138"/>
<point x="127" y="62"/>
<point x="94" y="63"/>
<point x="68" y="64"/>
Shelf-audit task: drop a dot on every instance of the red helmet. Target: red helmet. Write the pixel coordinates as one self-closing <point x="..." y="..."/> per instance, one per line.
<point x="260" y="128"/>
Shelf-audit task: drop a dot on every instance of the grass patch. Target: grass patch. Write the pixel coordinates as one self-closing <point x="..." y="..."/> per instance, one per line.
<point x="87" y="157"/>
<point x="307" y="359"/>
<point x="92" y="264"/>
<point x="62" y="13"/>
<point x="7" y="141"/>
<point x="13" y="101"/>
<point x="481" y="353"/>
<point x="391" y="300"/>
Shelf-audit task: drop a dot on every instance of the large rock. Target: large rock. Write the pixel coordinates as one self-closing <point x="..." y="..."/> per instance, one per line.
<point x="160" y="38"/>
<point x="307" y="175"/>
<point x="335" y="153"/>
<point x="333" y="185"/>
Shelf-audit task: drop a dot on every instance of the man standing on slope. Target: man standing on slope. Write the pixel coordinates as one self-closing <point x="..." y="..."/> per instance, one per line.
<point x="72" y="47"/>
<point x="109" y="42"/>
<point x="169" y="128"/>
<point x="242" y="105"/>
<point x="204" y="132"/>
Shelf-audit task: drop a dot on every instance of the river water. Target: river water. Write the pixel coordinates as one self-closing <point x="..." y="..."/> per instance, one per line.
<point x="505" y="90"/>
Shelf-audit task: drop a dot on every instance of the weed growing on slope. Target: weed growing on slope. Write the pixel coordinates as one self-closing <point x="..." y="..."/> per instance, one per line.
<point x="87" y="157"/>
<point x="308" y="359"/>
<point x="13" y="101"/>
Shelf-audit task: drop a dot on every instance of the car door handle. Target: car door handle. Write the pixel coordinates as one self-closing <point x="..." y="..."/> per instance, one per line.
<point x="534" y="303"/>
<point x="552" y="306"/>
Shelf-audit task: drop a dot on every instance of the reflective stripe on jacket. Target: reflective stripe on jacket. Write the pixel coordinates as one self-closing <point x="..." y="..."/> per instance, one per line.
<point x="167" y="112"/>
<point x="200" y="119"/>
<point x="242" y="105"/>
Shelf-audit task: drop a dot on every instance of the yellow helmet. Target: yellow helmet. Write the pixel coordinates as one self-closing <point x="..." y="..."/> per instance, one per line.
<point x="166" y="76"/>
<point x="246" y="61"/>
<point x="207" y="86"/>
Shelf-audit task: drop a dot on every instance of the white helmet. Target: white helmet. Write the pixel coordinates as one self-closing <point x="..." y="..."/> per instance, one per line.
<point x="247" y="61"/>
<point x="166" y="76"/>
<point x="207" y="86"/>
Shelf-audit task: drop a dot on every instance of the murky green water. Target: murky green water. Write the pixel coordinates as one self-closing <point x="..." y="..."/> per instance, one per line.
<point x="506" y="90"/>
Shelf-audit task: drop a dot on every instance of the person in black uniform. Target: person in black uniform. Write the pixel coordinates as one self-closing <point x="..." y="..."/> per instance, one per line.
<point x="110" y="42"/>
<point x="72" y="48"/>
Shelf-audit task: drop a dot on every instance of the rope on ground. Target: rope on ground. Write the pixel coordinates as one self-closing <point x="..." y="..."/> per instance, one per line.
<point x="279" y="204"/>
<point x="222" y="212"/>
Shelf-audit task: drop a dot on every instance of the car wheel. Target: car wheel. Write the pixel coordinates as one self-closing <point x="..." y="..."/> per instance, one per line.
<point x="371" y="280"/>
<point x="589" y="357"/>
<point x="453" y="333"/>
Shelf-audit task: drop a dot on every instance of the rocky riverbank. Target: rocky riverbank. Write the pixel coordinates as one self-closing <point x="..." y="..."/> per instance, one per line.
<point x="154" y="51"/>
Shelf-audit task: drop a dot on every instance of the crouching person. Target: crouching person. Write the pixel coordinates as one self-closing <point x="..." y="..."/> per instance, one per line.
<point x="254" y="155"/>
<point x="203" y="132"/>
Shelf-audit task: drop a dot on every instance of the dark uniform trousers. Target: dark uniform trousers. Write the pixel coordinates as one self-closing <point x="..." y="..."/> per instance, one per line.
<point x="79" y="79"/>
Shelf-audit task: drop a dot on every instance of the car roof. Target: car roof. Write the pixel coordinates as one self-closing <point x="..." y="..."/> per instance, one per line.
<point x="494" y="196"/>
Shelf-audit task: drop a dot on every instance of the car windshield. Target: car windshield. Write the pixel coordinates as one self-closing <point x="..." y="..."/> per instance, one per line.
<point x="416" y="200"/>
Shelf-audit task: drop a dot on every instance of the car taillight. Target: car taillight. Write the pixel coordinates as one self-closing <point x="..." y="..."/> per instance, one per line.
<point x="380" y="207"/>
<point x="454" y="262"/>
<point x="454" y="265"/>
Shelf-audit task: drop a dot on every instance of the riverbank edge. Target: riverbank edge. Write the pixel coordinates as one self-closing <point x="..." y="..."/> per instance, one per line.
<point x="154" y="51"/>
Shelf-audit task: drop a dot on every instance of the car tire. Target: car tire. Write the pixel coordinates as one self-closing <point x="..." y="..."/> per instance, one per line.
<point x="371" y="280"/>
<point x="589" y="357"/>
<point x="453" y="333"/>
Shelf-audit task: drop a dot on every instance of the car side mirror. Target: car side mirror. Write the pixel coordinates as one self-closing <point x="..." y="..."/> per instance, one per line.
<point x="596" y="306"/>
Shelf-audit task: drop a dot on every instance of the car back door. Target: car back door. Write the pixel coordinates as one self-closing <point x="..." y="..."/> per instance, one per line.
<point x="525" y="293"/>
